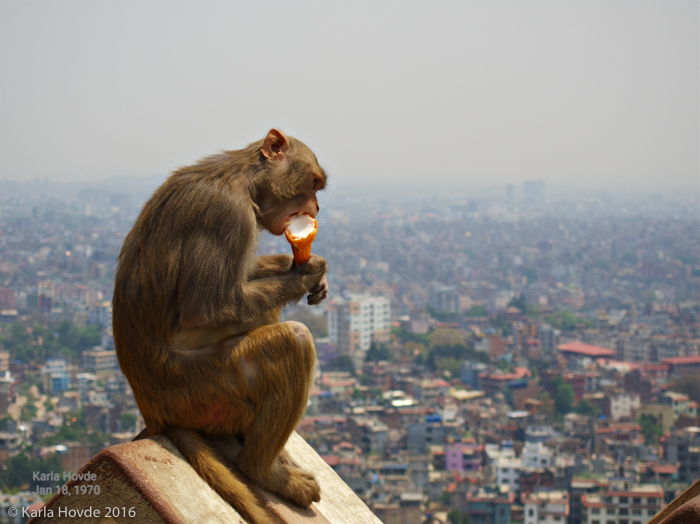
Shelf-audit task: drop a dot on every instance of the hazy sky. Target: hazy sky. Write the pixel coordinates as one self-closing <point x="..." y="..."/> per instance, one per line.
<point x="589" y="92"/>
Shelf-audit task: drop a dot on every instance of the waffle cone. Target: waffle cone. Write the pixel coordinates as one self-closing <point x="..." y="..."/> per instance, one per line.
<point x="301" y="247"/>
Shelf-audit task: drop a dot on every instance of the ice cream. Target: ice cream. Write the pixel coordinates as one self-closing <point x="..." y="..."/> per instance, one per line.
<point x="300" y="231"/>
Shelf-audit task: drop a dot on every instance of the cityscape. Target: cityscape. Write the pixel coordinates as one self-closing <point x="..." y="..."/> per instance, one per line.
<point x="515" y="354"/>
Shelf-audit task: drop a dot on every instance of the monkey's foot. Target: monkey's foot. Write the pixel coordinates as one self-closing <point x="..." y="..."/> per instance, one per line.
<point x="301" y="487"/>
<point x="289" y="482"/>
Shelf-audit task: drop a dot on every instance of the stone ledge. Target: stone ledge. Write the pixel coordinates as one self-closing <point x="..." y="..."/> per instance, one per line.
<point x="684" y="509"/>
<point x="153" y="478"/>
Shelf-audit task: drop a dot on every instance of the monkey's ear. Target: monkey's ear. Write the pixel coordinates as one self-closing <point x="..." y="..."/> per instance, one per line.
<point x="275" y="145"/>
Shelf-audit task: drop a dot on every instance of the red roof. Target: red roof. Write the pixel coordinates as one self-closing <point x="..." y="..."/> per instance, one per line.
<point x="586" y="349"/>
<point x="655" y="367"/>
<point x="505" y="376"/>
<point x="682" y="360"/>
<point x="331" y="460"/>
<point x="665" y="469"/>
<point x="437" y="383"/>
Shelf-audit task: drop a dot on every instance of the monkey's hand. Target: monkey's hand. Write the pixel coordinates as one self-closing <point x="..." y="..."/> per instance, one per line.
<point x="313" y="276"/>
<point x="318" y="292"/>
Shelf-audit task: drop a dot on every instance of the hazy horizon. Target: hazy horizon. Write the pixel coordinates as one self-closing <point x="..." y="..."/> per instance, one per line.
<point x="588" y="94"/>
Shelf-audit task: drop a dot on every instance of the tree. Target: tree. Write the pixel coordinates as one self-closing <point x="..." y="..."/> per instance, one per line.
<point x="689" y="384"/>
<point x="128" y="421"/>
<point x="563" y="395"/>
<point x="377" y="353"/>
<point x="442" y="316"/>
<point x="68" y="334"/>
<point x="18" y="470"/>
<point x="457" y="517"/>
<point x="445" y="498"/>
<point x="342" y="363"/>
<point x="651" y="429"/>
<point x="585" y="408"/>
<point x="503" y="325"/>
<point x="519" y="302"/>
<point x="477" y="311"/>
<point x="89" y="337"/>
<point x="567" y="321"/>
<point x="29" y="411"/>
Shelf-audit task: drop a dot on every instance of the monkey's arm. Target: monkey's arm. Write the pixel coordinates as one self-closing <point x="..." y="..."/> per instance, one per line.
<point x="271" y="266"/>
<point x="276" y="265"/>
<point x="250" y="300"/>
<point x="257" y="297"/>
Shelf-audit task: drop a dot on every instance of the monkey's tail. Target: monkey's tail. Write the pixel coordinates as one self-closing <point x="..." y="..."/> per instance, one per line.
<point x="221" y="479"/>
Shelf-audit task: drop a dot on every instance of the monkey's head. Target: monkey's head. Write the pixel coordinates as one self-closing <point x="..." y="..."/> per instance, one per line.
<point x="287" y="181"/>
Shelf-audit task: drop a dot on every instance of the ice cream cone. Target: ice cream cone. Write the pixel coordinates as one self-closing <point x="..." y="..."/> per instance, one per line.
<point x="300" y="232"/>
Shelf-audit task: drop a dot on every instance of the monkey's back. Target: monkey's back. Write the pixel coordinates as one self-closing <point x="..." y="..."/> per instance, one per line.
<point x="179" y="257"/>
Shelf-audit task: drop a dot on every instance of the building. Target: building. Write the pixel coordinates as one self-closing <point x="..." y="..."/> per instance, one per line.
<point x="469" y="373"/>
<point x="8" y="298"/>
<point x="407" y="510"/>
<point x="546" y="507"/>
<point x="683" y="364"/>
<point x="683" y="446"/>
<point x="8" y="388"/>
<point x="536" y="455"/>
<point x="508" y="471"/>
<point x="463" y="456"/>
<point x="355" y="323"/>
<point x="581" y="350"/>
<point x="499" y="382"/>
<point x="622" y="503"/>
<point x="548" y="337"/>
<point x="443" y="298"/>
<point x="100" y="361"/>
<point x="423" y="434"/>
<point x="100" y="314"/>
<point x="369" y="433"/>
<point x="428" y="389"/>
<point x="680" y="402"/>
<point x="580" y="487"/>
<point x="490" y="507"/>
<point x="622" y="405"/>
<point x="4" y="361"/>
<point x="86" y="383"/>
<point x="55" y="376"/>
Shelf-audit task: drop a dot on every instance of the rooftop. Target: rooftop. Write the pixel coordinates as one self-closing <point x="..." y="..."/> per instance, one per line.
<point x="586" y="349"/>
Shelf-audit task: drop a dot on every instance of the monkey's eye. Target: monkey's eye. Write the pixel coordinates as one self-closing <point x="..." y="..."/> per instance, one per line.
<point x="318" y="183"/>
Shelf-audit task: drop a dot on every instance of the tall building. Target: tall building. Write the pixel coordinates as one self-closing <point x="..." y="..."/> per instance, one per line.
<point x="353" y="324"/>
<point x="443" y="298"/>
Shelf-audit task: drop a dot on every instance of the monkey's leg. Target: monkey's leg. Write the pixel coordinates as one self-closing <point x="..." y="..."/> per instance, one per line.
<point x="285" y="357"/>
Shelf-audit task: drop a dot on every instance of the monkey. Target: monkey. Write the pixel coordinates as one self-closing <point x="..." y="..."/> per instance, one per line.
<point x="196" y="316"/>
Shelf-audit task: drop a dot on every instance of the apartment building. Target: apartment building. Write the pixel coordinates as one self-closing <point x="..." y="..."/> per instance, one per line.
<point x="623" y="503"/>
<point x="546" y="507"/>
<point x="536" y="455"/>
<point x="683" y="446"/>
<point x="354" y="323"/>
<point x="100" y="361"/>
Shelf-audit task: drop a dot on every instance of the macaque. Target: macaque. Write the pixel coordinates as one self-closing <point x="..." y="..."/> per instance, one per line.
<point x="196" y="316"/>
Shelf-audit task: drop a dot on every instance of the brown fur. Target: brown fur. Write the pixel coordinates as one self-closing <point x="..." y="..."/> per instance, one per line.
<point x="196" y="316"/>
